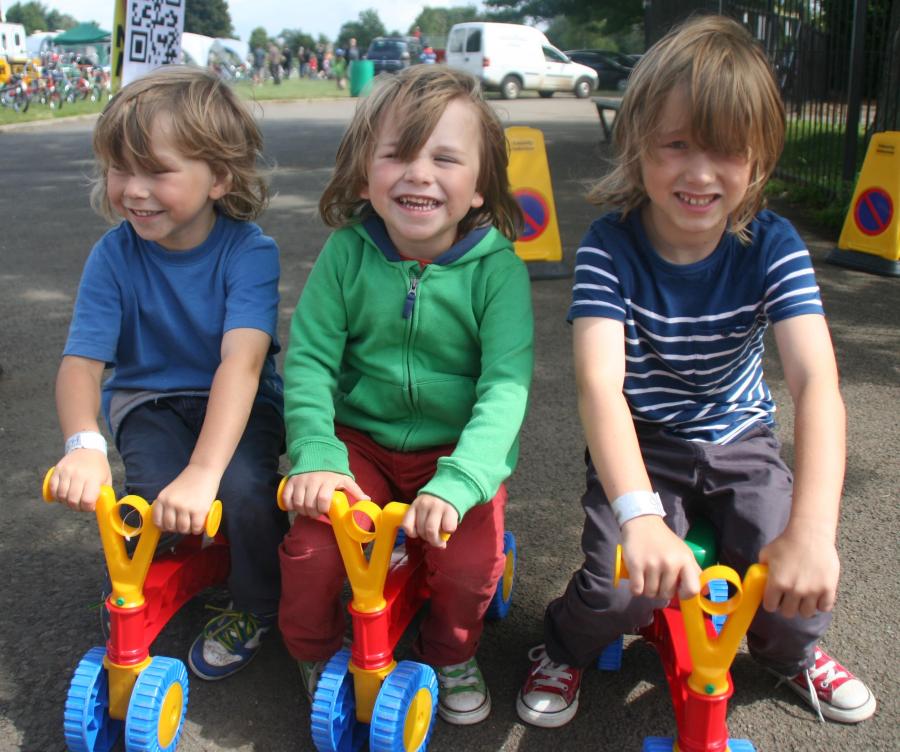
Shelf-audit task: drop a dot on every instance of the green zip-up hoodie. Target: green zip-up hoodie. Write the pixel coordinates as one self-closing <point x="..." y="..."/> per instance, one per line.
<point x="413" y="357"/>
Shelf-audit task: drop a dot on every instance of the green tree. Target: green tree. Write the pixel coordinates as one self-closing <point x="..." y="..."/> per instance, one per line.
<point x="209" y="17"/>
<point x="32" y="15"/>
<point x="616" y="15"/>
<point x="364" y="29"/>
<point x="295" y="39"/>
<point x="57" y="20"/>
<point x="435" y="23"/>
<point x="259" y="38"/>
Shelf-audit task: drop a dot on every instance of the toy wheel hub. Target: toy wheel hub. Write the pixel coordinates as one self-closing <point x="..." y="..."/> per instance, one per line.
<point x="170" y="715"/>
<point x="418" y="720"/>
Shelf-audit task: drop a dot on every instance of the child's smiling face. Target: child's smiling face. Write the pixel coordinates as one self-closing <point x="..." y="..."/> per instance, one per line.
<point x="172" y="205"/>
<point x="692" y="191"/>
<point x="423" y="200"/>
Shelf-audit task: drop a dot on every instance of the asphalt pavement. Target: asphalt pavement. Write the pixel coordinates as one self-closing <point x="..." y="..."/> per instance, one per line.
<point x="49" y="557"/>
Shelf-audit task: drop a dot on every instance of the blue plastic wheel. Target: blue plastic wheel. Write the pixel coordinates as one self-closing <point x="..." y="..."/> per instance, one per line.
<point x="333" y="716"/>
<point x="500" y="603"/>
<point x="611" y="657"/>
<point x="158" y="704"/>
<point x="86" y="722"/>
<point x="403" y="716"/>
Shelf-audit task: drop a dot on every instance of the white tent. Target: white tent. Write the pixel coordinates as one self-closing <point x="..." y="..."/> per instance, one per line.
<point x="196" y="48"/>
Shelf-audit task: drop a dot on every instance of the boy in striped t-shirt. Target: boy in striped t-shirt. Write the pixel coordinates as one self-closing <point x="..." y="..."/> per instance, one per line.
<point x="672" y="297"/>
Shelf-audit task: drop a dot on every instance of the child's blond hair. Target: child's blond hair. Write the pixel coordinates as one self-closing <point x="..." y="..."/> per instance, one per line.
<point x="209" y="123"/>
<point x="734" y="103"/>
<point x="416" y="97"/>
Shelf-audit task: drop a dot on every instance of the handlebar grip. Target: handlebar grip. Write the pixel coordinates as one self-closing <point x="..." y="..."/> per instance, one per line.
<point x="45" y="487"/>
<point x="213" y="516"/>
<point x="278" y="495"/>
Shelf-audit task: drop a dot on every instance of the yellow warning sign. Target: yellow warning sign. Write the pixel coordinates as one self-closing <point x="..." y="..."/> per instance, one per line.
<point x="870" y="238"/>
<point x="529" y="181"/>
<point x="118" y="44"/>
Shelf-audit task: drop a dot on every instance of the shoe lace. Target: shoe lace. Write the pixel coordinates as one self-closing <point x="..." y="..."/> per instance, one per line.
<point x="232" y="628"/>
<point x="546" y="673"/>
<point x="813" y="695"/>
<point x="460" y="676"/>
<point x="830" y="668"/>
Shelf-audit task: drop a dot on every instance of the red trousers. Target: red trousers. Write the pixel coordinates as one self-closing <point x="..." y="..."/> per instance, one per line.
<point x="462" y="577"/>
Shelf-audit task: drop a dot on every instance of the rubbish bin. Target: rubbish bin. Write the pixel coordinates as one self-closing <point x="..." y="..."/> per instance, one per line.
<point x="361" y="74"/>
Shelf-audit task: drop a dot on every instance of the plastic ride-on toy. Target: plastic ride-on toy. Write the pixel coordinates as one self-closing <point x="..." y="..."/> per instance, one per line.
<point x="121" y="684"/>
<point x="696" y="651"/>
<point x="363" y="694"/>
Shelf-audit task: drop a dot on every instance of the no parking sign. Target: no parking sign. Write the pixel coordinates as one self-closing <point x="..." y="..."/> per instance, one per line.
<point x="870" y="238"/>
<point x="529" y="179"/>
<point x="873" y="211"/>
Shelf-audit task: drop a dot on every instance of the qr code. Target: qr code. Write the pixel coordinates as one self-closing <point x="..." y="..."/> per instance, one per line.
<point x="155" y="31"/>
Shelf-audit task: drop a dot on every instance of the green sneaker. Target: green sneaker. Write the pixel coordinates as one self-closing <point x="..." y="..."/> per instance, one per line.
<point x="463" y="696"/>
<point x="228" y="642"/>
<point x="310" y="671"/>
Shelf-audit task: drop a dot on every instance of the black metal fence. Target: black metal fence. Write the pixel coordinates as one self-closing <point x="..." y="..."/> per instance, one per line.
<point x="838" y="65"/>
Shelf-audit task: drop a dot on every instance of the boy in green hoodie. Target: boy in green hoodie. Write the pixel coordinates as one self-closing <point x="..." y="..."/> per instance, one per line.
<point x="408" y="371"/>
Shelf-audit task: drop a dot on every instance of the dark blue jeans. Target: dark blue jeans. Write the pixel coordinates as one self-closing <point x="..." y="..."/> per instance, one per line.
<point x="156" y="440"/>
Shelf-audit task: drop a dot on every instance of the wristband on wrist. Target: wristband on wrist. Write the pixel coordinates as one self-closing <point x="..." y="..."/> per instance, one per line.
<point x="636" y="504"/>
<point x="86" y="440"/>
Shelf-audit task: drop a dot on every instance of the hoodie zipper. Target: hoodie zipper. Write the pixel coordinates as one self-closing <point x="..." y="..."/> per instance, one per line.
<point x="410" y="301"/>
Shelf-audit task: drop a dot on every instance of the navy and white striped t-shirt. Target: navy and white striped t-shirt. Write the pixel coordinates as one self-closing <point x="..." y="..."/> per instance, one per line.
<point x="694" y="332"/>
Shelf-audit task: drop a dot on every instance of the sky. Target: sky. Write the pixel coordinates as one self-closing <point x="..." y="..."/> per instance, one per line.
<point x="275" y="15"/>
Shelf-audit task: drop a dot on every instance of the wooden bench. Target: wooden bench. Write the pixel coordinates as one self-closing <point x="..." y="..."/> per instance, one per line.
<point x="603" y="105"/>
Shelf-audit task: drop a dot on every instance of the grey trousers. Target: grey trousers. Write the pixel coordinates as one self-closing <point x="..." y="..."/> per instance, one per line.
<point x="743" y="489"/>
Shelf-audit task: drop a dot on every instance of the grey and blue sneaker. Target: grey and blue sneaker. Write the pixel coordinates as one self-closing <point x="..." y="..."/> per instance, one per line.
<point x="228" y="642"/>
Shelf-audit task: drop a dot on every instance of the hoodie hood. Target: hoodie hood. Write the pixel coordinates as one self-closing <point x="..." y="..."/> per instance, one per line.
<point x="482" y="241"/>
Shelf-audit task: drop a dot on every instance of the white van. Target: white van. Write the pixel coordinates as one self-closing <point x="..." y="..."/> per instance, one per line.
<point x="510" y="57"/>
<point x="12" y="40"/>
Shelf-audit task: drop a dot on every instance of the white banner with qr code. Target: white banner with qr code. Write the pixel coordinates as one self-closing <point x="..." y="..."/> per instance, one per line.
<point x="152" y="36"/>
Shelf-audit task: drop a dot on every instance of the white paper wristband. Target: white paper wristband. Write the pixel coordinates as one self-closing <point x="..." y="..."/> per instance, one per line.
<point x="636" y="504"/>
<point x="86" y="440"/>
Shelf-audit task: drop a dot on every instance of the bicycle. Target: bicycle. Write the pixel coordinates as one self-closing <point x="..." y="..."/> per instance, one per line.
<point x="15" y="95"/>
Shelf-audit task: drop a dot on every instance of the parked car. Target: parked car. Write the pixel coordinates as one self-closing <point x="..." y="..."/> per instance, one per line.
<point x="612" y="68"/>
<point x="390" y="54"/>
<point x="510" y="58"/>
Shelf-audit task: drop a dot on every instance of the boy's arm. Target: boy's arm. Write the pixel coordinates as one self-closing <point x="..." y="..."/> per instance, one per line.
<point x="182" y="506"/>
<point x="803" y="561"/>
<point x="658" y="560"/>
<point x="485" y="453"/>
<point x="79" y="474"/>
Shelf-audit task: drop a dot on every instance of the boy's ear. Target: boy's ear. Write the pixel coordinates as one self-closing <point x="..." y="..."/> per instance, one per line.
<point x="221" y="184"/>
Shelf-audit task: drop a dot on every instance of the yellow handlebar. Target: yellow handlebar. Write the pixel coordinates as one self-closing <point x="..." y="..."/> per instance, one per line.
<point x="367" y="576"/>
<point x="712" y="656"/>
<point x="210" y="527"/>
<point x="128" y="573"/>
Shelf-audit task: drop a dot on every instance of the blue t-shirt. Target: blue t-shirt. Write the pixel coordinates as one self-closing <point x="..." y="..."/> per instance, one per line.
<point x="694" y="332"/>
<point x="157" y="317"/>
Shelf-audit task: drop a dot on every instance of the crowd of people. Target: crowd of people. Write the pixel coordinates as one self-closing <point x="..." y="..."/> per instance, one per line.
<point x="279" y="62"/>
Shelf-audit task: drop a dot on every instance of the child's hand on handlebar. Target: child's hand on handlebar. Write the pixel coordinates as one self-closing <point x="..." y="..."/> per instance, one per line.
<point x="658" y="561"/>
<point x="428" y="517"/>
<point x="310" y="494"/>
<point x="77" y="478"/>
<point x="182" y="506"/>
